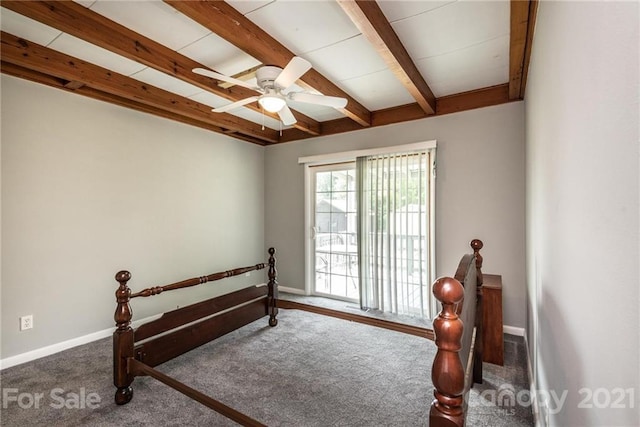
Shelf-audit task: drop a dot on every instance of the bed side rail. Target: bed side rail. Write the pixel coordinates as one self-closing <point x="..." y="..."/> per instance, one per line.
<point x="239" y="417"/>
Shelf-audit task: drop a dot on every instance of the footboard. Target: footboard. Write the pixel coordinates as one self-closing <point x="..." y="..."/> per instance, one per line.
<point x="176" y="332"/>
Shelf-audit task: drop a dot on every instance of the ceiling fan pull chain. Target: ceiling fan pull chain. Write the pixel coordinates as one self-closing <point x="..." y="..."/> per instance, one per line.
<point x="262" y="117"/>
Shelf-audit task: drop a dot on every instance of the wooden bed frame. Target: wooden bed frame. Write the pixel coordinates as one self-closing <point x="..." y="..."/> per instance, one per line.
<point x="457" y="364"/>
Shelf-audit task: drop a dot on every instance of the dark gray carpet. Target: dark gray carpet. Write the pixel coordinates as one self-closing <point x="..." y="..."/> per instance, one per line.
<point x="310" y="370"/>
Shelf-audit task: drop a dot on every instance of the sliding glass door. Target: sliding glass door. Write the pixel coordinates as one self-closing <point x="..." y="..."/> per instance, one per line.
<point x="370" y="228"/>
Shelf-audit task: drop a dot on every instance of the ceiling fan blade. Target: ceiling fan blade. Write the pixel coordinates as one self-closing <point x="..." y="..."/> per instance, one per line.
<point x="218" y="76"/>
<point x="236" y="104"/>
<point x="287" y="116"/>
<point x="292" y="72"/>
<point x="309" y="98"/>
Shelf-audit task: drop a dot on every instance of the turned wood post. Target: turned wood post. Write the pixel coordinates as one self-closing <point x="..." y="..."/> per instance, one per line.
<point x="447" y="373"/>
<point x="272" y="296"/>
<point x="476" y="245"/>
<point x="122" y="340"/>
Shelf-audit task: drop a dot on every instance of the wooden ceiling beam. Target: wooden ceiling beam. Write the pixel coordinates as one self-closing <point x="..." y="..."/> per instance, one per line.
<point x="30" y="55"/>
<point x="372" y="23"/>
<point x="493" y="95"/>
<point x="531" y="25"/>
<point x="46" y="79"/>
<point x="81" y="22"/>
<point x="34" y="76"/>
<point x="519" y="23"/>
<point x="479" y="98"/>
<point x="224" y="20"/>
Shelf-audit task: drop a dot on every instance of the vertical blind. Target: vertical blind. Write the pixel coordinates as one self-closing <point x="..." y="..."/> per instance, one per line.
<point x="395" y="232"/>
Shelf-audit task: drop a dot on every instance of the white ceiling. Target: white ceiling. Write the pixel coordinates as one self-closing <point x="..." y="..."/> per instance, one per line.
<point x="456" y="45"/>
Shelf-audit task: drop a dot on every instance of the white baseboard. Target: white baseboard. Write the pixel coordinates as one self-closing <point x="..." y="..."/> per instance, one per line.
<point x="52" y="349"/>
<point x="38" y="353"/>
<point x="292" y="290"/>
<point x="513" y="330"/>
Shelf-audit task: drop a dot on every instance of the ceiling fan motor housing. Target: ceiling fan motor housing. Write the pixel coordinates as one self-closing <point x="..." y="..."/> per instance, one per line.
<point x="266" y="75"/>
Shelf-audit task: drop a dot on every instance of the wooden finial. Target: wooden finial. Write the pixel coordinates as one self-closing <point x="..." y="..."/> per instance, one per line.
<point x="449" y="292"/>
<point x="123" y="277"/>
<point x="476" y="245"/>
<point x="447" y="374"/>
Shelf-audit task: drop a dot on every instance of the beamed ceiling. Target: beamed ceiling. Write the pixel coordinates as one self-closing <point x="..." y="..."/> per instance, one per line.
<point x="394" y="61"/>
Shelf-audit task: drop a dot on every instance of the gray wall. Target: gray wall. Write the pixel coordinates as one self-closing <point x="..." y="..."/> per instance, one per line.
<point x="479" y="193"/>
<point x="582" y="210"/>
<point x="89" y="188"/>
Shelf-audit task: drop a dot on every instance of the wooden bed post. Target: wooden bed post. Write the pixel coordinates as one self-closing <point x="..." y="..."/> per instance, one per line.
<point x="122" y="341"/>
<point x="476" y="245"/>
<point x="447" y="374"/>
<point x="272" y="296"/>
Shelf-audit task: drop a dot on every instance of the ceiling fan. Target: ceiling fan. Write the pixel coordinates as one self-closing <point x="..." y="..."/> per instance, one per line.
<point x="272" y="85"/>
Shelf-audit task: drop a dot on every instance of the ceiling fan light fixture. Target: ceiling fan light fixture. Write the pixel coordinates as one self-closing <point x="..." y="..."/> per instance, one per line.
<point x="272" y="103"/>
<point x="273" y="85"/>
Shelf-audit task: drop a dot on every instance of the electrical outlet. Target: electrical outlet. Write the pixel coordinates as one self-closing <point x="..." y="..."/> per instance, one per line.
<point x="26" y="322"/>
